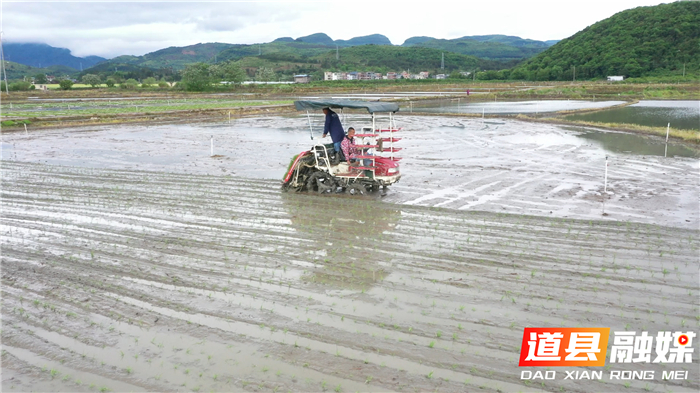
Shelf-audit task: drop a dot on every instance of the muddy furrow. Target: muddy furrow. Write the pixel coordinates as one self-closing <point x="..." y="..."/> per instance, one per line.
<point x="129" y="280"/>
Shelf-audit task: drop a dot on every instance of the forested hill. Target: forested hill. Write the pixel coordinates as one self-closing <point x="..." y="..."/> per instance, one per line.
<point x="384" y="58"/>
<point x="495" y="46"/>
<point x="643" y="41"/>
<point x="42" y="55"/>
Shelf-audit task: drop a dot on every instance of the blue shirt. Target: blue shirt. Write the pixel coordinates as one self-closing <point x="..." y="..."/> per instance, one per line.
<point x="334" y="127"/>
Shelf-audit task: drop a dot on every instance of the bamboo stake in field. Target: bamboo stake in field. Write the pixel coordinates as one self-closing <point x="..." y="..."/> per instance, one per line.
<point x="668" y="129"/>
<point x="605" y="190"/>
<point x="606" y="174"/>
<point x="25" y="129"/>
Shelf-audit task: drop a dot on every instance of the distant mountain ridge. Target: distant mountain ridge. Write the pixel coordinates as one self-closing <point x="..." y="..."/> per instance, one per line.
<point x="495" y="46"/>
<point x="498" y="47"/>
<point x="324" y="39"/>
<point x="42" y="55"/>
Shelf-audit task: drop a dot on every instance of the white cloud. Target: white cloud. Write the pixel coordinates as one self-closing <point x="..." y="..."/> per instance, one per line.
<point x="114" y="28"/>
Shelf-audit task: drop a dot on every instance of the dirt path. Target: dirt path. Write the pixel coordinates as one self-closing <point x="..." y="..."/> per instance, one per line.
<point x="129" y="280"/>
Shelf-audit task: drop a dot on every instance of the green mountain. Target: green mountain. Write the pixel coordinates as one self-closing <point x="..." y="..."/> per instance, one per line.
<point x="275" y="51"/>
<point x="382" y="58"/>
<point x="643" y="41"/>
<point x="283" y="49"/>
<point x="495" y="47"/>
<point x="511" y="40"/>
<point x="43" y="55"/>
<point x="318" y="38"/>
<point x="324" y="39"/>
<point x="416" y="40"/>
<point x="124" y="70"/>
<point x="16" y="71"/>
<point x="373" y="39"/>
<point x="174" y="57"/>
<point x="316" y="52"/>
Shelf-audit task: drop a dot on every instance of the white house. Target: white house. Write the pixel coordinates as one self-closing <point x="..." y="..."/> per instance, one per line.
<point x="615" y="78"/>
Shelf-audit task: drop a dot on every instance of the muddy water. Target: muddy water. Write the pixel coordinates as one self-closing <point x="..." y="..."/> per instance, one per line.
<point x="131" y="280"/>
<point x="684" y="115"/>
<point x="463" y="105"/>
<point x="636" y="144"/>
<point x="467" y="164"/>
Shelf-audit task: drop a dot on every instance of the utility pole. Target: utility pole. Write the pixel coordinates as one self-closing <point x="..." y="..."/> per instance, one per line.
<point x="574" y="73"/>
<point x="442" y="64"/>
<point x="337" y="53"/>
<point x="3" y="70"/>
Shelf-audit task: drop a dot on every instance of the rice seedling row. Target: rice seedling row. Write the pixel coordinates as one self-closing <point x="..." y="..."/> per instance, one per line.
<point x="132" y="280"/>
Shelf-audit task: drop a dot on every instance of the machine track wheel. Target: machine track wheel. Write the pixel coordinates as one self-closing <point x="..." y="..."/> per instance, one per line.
<point x="356" y="189"/>
<point x="320" y="182"/>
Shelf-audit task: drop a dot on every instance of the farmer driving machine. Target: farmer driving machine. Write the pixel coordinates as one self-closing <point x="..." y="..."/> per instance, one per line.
<point x="375" y="167"/>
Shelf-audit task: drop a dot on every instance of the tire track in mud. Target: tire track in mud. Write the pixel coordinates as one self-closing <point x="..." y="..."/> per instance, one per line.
<point x="168" y="282"/>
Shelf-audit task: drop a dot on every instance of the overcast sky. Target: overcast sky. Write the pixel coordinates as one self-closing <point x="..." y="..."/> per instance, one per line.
<point x="116" y="28"/>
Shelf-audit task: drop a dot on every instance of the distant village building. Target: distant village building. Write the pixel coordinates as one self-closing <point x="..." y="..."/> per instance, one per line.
<point x="334" y="76"/>
<point x="41" y="87"/>
<point x="303" y="78"/>
<point x="615" y="78"/>
<point x="369" y="75"/>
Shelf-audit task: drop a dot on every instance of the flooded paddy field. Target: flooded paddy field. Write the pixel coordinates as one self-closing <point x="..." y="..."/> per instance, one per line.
<point x="464" y="105"/>
<point x="138" y="280"/>
<point x="497" y="165"/>
<point x="683" y="115"/>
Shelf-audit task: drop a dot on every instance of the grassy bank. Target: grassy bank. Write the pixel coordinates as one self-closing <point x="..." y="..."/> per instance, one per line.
<point x="98" y="108"/>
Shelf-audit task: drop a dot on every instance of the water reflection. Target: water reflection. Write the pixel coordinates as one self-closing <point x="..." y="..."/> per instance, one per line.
<point x="683" y="115"/>
<point x="515" y="107"/>
<point x="638" y="144"/>
<point x="345" y="233"/>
